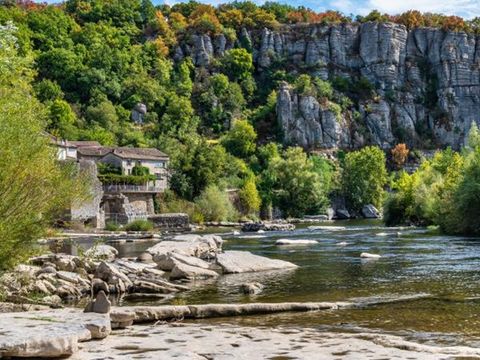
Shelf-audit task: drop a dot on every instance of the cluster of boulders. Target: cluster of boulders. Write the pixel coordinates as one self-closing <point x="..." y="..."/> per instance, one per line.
<point x="367" y="212"/>
<point x="267" y="226"/>
<point x="52" y="278"/>
<point x="197" y="257"/>
<point x="160" y="272"/>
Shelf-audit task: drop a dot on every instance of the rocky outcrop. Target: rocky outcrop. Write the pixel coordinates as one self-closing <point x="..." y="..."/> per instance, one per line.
<point x="427" y="81"/>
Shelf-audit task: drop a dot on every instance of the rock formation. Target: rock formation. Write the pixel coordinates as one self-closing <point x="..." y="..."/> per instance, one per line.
<point x="427" y="81"/>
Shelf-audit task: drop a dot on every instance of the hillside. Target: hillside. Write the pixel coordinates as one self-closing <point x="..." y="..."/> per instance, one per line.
<point x="228" y="91"/>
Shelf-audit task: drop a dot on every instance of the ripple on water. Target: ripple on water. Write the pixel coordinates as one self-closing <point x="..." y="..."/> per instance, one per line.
<point x="413" y="262"/>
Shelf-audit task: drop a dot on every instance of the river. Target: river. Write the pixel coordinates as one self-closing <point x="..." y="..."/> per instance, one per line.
<point x="439" y="274"/>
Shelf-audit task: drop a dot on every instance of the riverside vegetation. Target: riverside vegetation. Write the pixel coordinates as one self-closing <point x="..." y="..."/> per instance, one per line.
<point x="78" y="69"/>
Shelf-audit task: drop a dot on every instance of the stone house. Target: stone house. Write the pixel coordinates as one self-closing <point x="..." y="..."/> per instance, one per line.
<point x="127" y="158"/>
<point x="117" y="202"/>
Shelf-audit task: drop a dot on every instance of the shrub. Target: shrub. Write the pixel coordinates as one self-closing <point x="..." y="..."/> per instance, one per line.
<point x="336" y="109"/>
<point x="324" y="88"/>
<point x="139" y="225"/>
<point x="169" y="202"/>
<point x="125" y="179"/>
<point x="139" y="170"/>
<point x="215" y="205"/>
<point x="112" y="226"/>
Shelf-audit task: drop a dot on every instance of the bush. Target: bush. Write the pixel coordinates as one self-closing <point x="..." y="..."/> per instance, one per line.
<point x="171" y="203"/>
<point x="139" y="225"/>
<point x="215" y="205"/>
<point x="112" y="226"/>
<point x="139" y="170"/>
<point x="126" y="179"/>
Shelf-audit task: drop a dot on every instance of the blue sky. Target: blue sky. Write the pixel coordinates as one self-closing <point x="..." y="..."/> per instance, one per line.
<point x="464" y="8"/>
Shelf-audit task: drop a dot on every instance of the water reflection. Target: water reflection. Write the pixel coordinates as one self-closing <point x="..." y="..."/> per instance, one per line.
<point x="413" y="262"/>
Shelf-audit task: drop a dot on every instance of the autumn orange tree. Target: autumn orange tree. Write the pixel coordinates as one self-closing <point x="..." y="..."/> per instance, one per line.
<point x="400" y="154"/>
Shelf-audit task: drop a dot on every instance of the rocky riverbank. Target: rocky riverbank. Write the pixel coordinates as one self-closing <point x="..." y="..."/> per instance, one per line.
<point x="191" y="341"/>
<point x="119" y="335"/>
<point x="163" y="270"/>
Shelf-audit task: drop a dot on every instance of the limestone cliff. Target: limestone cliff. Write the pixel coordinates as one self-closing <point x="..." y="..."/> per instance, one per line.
<point x="427" y="81"/>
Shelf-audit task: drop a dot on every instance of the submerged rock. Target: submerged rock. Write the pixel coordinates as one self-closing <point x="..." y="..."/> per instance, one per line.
<point x="251" y="288"/>
<point x="295" y="242"/>
<point x="366" y="255"/>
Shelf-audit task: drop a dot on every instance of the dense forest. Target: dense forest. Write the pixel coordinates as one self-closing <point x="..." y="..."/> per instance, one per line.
<point x="96" y="62"/>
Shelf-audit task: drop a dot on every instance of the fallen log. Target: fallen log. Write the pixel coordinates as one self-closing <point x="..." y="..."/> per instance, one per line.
<point x="143" y="314"/>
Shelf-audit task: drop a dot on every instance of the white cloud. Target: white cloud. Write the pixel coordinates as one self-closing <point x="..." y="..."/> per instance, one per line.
<point x="345" y="6"/>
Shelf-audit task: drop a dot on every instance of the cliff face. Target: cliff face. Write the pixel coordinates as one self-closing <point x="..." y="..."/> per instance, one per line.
<point x="427" y="82"/>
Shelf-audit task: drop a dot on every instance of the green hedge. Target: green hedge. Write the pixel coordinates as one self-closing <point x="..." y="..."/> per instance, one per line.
<point x="125" y="179"/>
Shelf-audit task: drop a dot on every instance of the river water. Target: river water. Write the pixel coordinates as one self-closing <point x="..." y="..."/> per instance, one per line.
<point x="439" y="274"/>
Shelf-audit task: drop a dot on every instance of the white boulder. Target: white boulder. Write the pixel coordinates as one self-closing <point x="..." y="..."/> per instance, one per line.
<point x="233" y="262"/>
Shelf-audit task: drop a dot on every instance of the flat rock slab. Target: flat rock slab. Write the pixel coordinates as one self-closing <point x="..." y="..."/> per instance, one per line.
<point x="226" y="341"/>
<point x="234" y="262"/>
<point x="49" y="333"/>
<point x="189" y="245"/>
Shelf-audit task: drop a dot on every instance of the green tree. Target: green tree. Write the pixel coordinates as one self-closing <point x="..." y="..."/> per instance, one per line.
<point x="466" y="198"/>
<point x="249" y="197"/>
<point x="364" y="177"/>
<point x="237" y="64"/>
<point x="62" y="120"/>
<point x="47" y="90"/>
<point x="240" y="140"/>
<point x="33" y="186"/>
<point x="103" y="114"/>
<point x="473" y="136"/>
<point x="219" y="101"/>
<point x="298" y="187"/>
